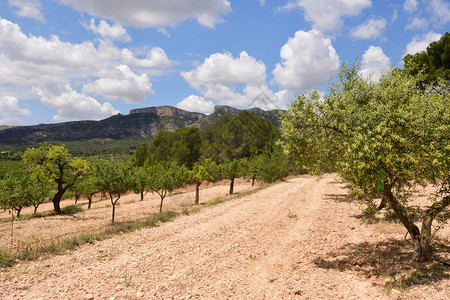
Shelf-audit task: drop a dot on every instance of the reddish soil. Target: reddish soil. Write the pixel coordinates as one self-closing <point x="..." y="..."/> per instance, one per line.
<point x="299" y="239"/>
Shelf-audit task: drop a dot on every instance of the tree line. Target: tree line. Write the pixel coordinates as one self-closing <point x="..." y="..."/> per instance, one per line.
<point x="234" y="146"/>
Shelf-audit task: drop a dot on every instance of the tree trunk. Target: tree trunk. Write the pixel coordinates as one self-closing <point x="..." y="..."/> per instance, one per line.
<point x="142" y="195"/>
<point x="197" y="192"/>
<point x="35" y="207"/>
<point x="232" y="185"/>
<point x="253" y="179"/>
<point x="421" y="242"/>
<point x="56" y="202"/>
<point x="90" y="201"/>
<point x="160" y="206"/>
<point x="18" y="211"/>
<point x="382" y="203"/>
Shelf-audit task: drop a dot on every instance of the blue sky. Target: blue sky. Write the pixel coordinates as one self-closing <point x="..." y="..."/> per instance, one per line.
<point x="65" y="60"/>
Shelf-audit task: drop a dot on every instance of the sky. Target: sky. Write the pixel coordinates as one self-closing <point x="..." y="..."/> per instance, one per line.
<point x="67" y="60"/>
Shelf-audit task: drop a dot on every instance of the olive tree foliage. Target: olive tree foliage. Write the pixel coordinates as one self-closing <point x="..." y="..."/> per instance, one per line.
<point x="114" y="179"/>
<point x="23" y="189"/>
<point x="383" y="138"/>
<point x="88" y="185"/>
<point x="58" y="165"/>
<point x="141" y="180"/>
<point x="165" y="177"/>
<point x="207" y="170"/>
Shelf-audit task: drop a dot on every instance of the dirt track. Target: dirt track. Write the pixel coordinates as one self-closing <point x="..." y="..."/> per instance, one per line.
<point x="300" y="239"/>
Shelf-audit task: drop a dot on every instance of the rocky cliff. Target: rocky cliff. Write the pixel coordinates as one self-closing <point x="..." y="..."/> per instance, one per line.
<point x="143" y="122"/>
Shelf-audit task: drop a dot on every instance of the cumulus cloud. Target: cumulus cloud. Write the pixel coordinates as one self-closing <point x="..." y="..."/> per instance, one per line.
<point x="371" y="29"/>
<point x="155" y="13"/>
<point x="326" y="15"/>
<point x="127" y="85"/>
<point x="374" y="64"/>
<point x="71" y="105"/>
<point x="196" y="104"/>
<point x="112" y="32"/>
<point x="420" y="43"/>
<point x="28" y="61"/>
<point x="417" y="23"/>
<point x="219" y="76"/>
<point x="224" y="69"/>
<point x="27" y="8"/>
<point x="440" y="12"/>
<point x="155" y="58"/>
<point x="10" y="111"/>
<point x="410" y="6"/>
<point x="309" y="59"/>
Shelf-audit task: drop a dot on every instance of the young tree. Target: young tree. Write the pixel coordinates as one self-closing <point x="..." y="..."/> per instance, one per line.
<point x="114" y="179"/>
<point x="89" y="185"/>
<point x="165" y="177"/>
<point x="58" y="165"/>
<point x="204" y="171"/>
<point x="15" y="193"/>
<point x="233" y="169"/>
<point x="141" y="180"/>
<point x="382" y="138"/>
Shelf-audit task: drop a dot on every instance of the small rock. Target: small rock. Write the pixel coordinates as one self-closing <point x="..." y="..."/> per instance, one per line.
<point x="139" y="294"/>
<point x="89" y="297"/>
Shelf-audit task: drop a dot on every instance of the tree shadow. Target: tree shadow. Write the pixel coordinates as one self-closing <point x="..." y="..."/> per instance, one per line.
<point x="391" y="260"/>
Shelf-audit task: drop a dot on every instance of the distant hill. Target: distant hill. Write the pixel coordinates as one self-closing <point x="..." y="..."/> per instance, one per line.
<point x="143" y="123"/>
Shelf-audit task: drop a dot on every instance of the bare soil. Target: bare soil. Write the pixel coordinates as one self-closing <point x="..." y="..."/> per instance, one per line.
<point x="299" y="239"/>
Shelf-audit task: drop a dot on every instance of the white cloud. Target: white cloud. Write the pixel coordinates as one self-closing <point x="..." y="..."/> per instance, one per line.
<point x="420" y="43"/>
<point x="224" y="69"/>
<point x="115" y="32"/>
<point x="309" y="59"/>
<point x="28" y="61"/>
<point x="126" y="85"/>
<point x="326" y="15"/>
<point x="440" y="12"/>
<point x="195" y="103"/>
<point x="219" y="75"/>
<point x="374" y="64"/>
<point x="10" y="111"/>
<point x="417" y="23"/>
<point x="155" y="13"/>
<point x="27" y="8"/>
<point x="155" y="58"/>
<point x="371" y="29"/>
<point x="410" y="6"/>
<point x="71" y="105"/>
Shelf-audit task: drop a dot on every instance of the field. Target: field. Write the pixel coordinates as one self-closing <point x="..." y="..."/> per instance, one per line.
<point x="298" y="239"/>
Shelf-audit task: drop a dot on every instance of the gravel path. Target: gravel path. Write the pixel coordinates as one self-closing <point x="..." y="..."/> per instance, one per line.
<point x="300" y="239"/>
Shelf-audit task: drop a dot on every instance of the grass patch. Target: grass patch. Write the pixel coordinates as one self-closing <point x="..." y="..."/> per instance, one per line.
<point x="71" y="209"/>
<point x="61" y="247"/>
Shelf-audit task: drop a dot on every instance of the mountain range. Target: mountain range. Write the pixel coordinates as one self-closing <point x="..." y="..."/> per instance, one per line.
<point x="139" y="123"/>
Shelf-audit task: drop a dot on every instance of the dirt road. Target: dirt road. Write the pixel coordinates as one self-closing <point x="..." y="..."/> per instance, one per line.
<point x="300" y="239"/>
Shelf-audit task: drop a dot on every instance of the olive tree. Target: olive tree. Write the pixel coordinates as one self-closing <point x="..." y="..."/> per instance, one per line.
<point x="58" y="165"/>
<point x="114" y="179"/>
<point x="382" y="137"/>
<point x="204" y="171"/>
<point x="165" y="177"/>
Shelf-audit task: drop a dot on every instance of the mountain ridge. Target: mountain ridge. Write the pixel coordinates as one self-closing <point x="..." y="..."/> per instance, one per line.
<point x="141" y="122"/>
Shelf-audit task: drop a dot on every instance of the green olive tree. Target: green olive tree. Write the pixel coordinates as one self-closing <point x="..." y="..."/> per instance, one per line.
<point x="58" y="165"/>
<point x="382" y="137"/>
<point x="204" y="171"/>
